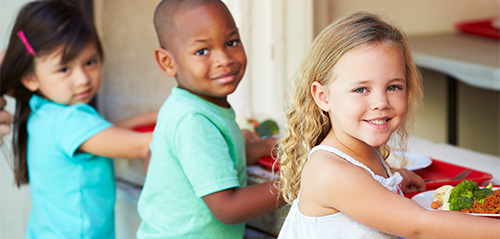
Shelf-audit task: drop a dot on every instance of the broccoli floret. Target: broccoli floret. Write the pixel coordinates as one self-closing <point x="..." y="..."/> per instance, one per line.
<point x="465" y="188"/>
<point x="461" y="202"/>
<point x="482" y="193"/>
<point x="490" y="186"/>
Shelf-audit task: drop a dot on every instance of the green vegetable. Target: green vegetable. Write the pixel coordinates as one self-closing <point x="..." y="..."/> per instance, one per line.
<point x="463" y="195"/>
<point x="490" y="185"/>
<point x="465" y="188"/>
<point x="482" y="193"/>
<point x="461" y="202"/>
<point x="267" y="128"/>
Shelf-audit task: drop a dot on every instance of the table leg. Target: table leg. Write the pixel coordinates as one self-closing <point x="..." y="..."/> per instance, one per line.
<point x="452" y="110"/>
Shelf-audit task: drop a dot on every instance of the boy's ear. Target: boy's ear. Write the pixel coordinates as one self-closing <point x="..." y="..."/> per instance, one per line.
<point x="165" y="61"/>
<point x="320" y="96"/>
<point x="29" y="81"/>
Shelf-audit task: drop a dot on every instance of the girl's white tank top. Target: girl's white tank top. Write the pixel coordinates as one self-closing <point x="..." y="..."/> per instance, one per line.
<point x="338" y="225"/>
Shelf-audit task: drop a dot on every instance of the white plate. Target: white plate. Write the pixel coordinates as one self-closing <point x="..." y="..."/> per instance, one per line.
<point x="425" y="199"/>
<point x="417" y="161"/>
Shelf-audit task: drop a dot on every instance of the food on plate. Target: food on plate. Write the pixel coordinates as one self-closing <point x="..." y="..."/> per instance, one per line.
<point x="467" y="197"/>
<point x="265" y="128"/>
<point x="441" y="196"/>
<point x="397" y="161"/>
<point x="491" y="205"/>
<point x="247" y="123"/>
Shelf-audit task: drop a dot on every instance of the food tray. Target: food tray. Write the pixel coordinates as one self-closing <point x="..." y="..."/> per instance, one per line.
<point x="440" y="170"/>
<point x="481" y="27"/>
<point x="268" y="163"/>
<point x="146" y="128"/>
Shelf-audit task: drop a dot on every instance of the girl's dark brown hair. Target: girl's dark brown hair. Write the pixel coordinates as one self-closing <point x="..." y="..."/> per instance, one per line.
<point x="48" y="25"/>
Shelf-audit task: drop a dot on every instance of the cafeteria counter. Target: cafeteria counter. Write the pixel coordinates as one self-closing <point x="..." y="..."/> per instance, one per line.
<point x="127" y="219"/>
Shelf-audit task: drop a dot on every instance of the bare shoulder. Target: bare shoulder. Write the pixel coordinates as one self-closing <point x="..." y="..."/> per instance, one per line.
<point x="331" y="166"/>
<point x="326" y="174"/>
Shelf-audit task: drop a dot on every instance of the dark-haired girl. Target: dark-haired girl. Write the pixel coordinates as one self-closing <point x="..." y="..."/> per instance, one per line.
<point x="62" y="146"/>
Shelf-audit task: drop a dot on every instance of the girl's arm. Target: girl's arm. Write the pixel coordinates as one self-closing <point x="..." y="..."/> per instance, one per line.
<point x="121" y="142"/>
<point x="147" y="118"/>
<point x="235" y="206"/>
<point x="330" y="184"/>
<point x="117" y="142"/>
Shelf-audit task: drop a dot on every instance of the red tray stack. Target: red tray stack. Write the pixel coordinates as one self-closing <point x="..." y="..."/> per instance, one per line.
<point x="479" y="27"/>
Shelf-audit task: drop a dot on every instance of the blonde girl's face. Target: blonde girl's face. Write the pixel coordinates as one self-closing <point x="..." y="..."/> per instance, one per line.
<point x="74" y="82"/>
<point x="367" y="99"/>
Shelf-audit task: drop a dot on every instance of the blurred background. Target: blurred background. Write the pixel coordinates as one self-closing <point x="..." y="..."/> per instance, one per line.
<point x="275" y="34"/>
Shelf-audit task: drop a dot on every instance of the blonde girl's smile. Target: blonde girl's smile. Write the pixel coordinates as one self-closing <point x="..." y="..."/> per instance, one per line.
<point x="380" y="122"/>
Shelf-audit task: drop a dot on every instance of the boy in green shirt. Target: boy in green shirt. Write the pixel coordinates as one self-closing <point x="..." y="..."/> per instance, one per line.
<point x="196" y="181"/>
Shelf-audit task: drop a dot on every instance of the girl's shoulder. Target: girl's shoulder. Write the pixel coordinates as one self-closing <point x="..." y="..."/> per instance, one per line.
<point x="328" y="155"/>
<point x="328" y="165"/>
<point x="328" y="178"/>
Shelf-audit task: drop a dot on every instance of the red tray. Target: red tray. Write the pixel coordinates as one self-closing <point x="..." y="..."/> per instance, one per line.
<point x="146" y="128"/>
<point x="439" y="170"/>
<point x="481" y="27"/>
<point x="268" y="162"/>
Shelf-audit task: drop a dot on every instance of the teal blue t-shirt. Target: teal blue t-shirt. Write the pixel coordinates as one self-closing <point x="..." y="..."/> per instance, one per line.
<point x="72" y="193"/>
<point x="197" y="149"/>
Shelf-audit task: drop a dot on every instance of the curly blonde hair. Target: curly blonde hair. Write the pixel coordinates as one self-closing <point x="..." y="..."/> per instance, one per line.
<point x="306" y="125"/>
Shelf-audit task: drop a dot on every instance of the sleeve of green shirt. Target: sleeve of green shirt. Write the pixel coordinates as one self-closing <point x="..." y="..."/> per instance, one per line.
<point x="204" y="156"/>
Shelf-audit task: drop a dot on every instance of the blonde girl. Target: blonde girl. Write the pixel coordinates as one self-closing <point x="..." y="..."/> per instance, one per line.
<point x="356" y="88"/>
<point x="62" y="146"/>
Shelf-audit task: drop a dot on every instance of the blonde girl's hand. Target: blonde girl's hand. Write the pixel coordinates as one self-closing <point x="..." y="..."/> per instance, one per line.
<point x="412" y="182"/>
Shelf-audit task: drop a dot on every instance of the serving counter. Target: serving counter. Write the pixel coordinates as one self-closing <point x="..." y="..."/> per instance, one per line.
<point x="131" y="177"/>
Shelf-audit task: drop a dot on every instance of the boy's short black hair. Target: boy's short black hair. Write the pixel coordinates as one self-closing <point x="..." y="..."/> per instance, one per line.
<point x="167" y="11"/>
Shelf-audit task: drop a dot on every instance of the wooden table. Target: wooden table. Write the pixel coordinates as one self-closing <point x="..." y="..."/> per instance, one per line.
<point x="473" y="60"/>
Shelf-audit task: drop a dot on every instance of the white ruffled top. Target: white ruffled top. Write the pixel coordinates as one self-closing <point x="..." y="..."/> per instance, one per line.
<point x="337" y="225"/>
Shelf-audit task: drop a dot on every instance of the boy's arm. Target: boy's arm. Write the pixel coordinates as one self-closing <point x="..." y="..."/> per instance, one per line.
<point x="235" y="206"/>
<point x="256" y="147"/>
<point x="146" y="118"/>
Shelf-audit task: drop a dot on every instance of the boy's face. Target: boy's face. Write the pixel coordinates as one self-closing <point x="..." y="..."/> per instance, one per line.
<point x="207" y="56"/>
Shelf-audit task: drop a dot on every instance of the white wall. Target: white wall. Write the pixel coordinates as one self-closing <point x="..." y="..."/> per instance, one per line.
<point x="273" y="37"/>
<point x="275" y="41"/>
<point x="14" y="203"/>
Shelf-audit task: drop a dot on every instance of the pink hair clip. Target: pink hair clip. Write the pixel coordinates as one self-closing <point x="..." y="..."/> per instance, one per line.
<point x="23" y="38"/>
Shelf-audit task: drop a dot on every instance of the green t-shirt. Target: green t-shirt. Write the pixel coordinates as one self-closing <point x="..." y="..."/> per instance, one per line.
<point x="197" y="149"/>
